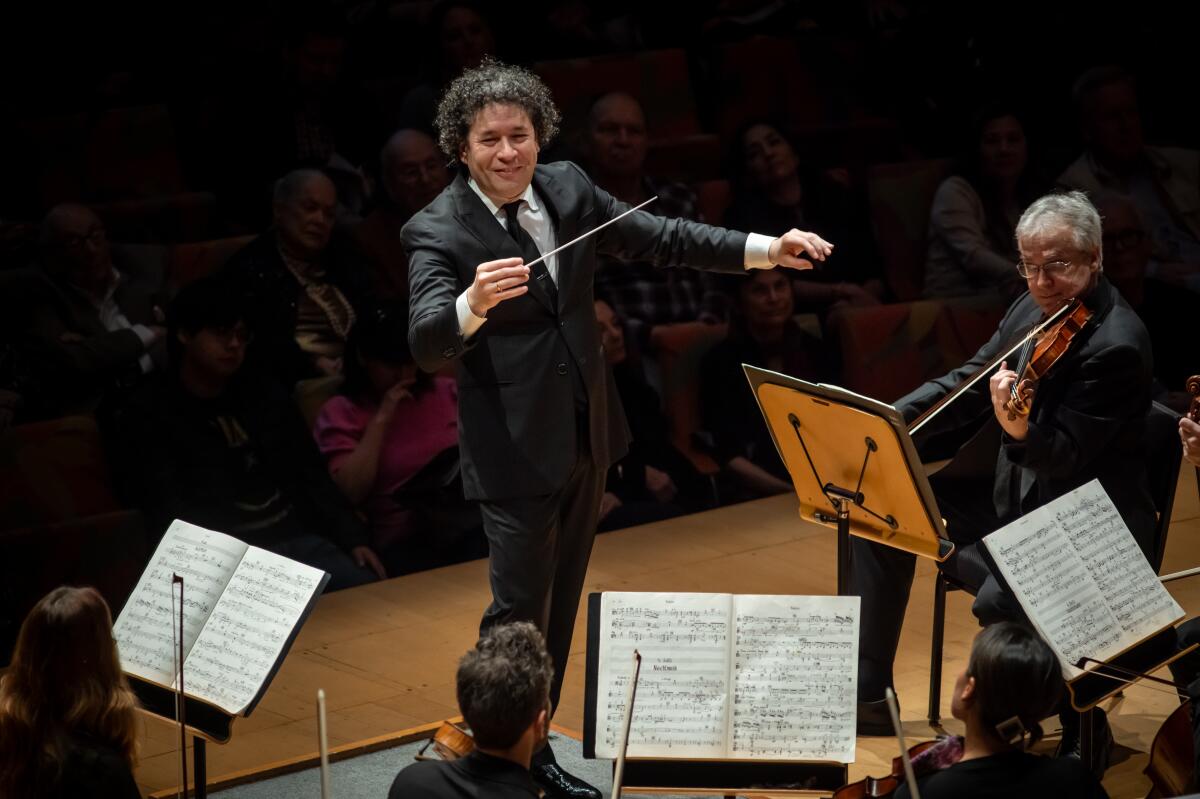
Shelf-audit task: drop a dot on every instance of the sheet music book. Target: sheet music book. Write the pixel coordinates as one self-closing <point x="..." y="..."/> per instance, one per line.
<point x="242" y="608"/>
<point x="724" y="676"/>
<point x="1081" y="578"/>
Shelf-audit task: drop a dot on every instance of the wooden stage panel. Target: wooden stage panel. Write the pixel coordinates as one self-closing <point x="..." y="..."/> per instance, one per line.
<point x="386" y="653"/>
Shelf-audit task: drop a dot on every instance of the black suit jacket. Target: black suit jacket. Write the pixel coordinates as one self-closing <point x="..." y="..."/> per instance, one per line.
<point x="476" y="775"/>
<point x="516" y="407"/>
<point x="1088" y="414"/>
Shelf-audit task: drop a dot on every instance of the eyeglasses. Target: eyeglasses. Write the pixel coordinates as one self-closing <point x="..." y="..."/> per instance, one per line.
<point x="1051" y="269"/>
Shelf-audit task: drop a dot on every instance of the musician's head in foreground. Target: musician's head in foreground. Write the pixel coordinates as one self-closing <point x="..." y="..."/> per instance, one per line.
<point x="1012" y="681"/>
<point x="64" y="701"/>
<point x="1060" y="238"/>
<point x="504" y="691"/>
<point x="494" y="119"/>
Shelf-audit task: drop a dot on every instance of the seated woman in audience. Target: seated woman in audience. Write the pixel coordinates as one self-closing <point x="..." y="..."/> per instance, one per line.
<point x="772" y="194"/>
<point x="654" y="480"/>
<point x="972" y="247"/>
<point x="390" y="441"/>
<point x="1012" y="681"/>
<point x="762" y="333"/>
<point x="68" y="720"/>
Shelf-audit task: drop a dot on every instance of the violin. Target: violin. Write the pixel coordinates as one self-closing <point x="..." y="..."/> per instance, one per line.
<point x="1172" y="763"/>
<point x="1193" y="388"/>
<point x="1038" y="357"/>
<point x="927" y="757"/>
<point x="450" y="742"/>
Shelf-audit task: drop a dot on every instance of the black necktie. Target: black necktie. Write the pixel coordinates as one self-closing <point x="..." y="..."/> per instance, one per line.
<point x="529" y="251"/>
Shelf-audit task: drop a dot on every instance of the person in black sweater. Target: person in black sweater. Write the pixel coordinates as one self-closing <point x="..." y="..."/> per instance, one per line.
<point x="68" y="719"/>
<point x="762" y="333"/>
<point x="217" y="444"/>
<point x="1012" y="681"/>
<point x="503" y="688"/>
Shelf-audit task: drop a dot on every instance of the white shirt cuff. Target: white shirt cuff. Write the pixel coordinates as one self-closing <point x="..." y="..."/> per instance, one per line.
<point x="468" y="322"/>
<point x="758" y="248"/>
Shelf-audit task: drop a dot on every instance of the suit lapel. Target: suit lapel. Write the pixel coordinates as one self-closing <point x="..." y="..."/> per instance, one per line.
<point x="479" y="222"/>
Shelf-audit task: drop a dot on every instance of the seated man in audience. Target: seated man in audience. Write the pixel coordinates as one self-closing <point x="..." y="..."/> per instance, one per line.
<point x="302" y="282"/>
<point x="412" y="172"/>
<point x="1087" y="422"/>
<point x="215" y="444"/>
<point x="92" y="329"/>
<point x="1164" y="182"/>
<point x="654" y="480"/>
<point x="503" y="688"/>
<point x="615" y="150"/>
<point x="761" y="333"/>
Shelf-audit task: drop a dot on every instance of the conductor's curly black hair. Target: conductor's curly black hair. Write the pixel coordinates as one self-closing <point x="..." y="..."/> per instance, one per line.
<point x="493" y="82"/>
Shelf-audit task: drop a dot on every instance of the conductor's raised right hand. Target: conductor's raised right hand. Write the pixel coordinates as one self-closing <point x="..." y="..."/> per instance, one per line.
<point x="495" y="282"/>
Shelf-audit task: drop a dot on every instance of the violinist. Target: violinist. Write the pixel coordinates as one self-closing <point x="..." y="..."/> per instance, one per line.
<point x="1085" y="420"/>
<point x="1011" y="682"/>
<point x="503" y="687"/>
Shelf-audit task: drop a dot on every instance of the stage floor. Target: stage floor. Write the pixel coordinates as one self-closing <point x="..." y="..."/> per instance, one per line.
<point x="386" y="653"/>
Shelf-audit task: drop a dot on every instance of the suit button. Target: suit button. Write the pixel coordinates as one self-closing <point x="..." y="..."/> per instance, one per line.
<point x="562" y="368"/>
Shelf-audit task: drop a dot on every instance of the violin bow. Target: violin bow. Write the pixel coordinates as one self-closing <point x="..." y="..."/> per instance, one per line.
<point x="924" y="418"/>
<point x="909" y="776"/>
<point x="180" y="703"/>
<point x="323" y="743"/>
<point x="630" y="696"/>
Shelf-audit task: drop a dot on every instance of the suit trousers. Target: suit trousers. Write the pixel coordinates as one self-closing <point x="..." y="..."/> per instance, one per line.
<point x="539" y="550"/>
<point x="883" y="577"/>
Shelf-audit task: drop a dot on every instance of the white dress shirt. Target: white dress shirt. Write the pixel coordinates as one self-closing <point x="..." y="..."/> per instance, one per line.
<point x="533" y="217"/>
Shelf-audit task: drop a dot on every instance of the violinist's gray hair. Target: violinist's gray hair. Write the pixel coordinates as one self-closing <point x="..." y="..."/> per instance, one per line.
<point x="493" y="82"/>
<point x="1071" y="210"/>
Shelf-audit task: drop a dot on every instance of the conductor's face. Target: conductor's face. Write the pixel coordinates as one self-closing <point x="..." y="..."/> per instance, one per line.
<point x="501" y="152"/>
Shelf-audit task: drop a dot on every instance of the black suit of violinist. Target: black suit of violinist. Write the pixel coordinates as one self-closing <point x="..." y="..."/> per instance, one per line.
<point x="1086" y="422"/>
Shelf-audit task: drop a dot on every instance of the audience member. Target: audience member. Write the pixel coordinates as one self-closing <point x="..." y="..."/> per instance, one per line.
<point x="412" y="172"/>
<point x="390" y="439"/>
<point x="223" y="447"/>
<point x="1164" y="182"/>
<point x="762" y="333"/>
<point x="503" y="689"/>
<point x="302" y="279"/>
<point x="654" y="480"/>
<point x="92" y="330"/>
<point x="642" y="295"/>
<point x="1012" y="681"/>
<point x="1164" y="309"/>
<point x="773" y="194"/>
<point x="68" y="720"/>
<point x="459" y="35"/>
<point x="972" y="224"/>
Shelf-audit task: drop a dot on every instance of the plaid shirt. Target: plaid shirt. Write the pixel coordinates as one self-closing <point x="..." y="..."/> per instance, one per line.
<point x="646" y="296"/>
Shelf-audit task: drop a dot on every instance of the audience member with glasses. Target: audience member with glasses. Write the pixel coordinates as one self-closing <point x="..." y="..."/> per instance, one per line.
<point x="1086" y="422"/>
